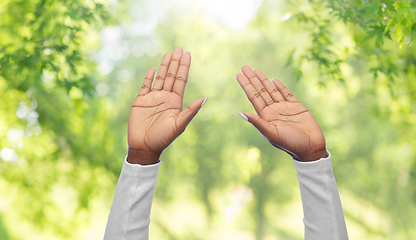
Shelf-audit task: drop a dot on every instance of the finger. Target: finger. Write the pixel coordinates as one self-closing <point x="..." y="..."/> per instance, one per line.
<point x="252" y="94"/>
<point x="288" y="96"/>
<point x="147" y="83"/>
<point x="262" y="125"/>
<point x="185" y="117"/>
<point x="182" y="75"/>
<point x="161" y="74"/>
<point x="271" y="89"/>
<point x="257" y="85"/>
<point x="173" y="69"/>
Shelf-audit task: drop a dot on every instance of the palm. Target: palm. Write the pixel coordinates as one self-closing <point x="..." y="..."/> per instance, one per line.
<point x="295" y="127"/>
<point x="156" y="117"/>
<point x="153" y="120"/>
<point x="282" y="119"/>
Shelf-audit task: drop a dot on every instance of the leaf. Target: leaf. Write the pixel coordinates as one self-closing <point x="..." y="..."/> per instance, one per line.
<point x="392" y="23"/>
<point x="399" y="33"/>
<point x="290" y="58"/>
<point x="387" y="34"/>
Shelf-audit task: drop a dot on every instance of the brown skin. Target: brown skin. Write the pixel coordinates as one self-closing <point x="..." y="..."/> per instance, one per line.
<point x="282" y="119"/>
<point x="156" y="117"/>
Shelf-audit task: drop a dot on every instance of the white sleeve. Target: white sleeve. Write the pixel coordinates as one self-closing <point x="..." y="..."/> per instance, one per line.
<point x="323" y="216"/>
<point x="130" y="212"/>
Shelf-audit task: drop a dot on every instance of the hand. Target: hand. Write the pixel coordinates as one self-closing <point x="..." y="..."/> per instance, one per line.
<point x="282" y="119"/>
<point x="156" y="117"/>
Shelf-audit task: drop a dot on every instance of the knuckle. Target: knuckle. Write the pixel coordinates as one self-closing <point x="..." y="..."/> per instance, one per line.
<point x="180" y="78"/>
<point x="255" y="95"/>
<point x="170" y="74"/>
<point x="246" y="84"/>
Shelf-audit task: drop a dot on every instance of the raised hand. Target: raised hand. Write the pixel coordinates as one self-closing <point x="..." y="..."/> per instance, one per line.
<point x="282" y="119"/>
<point x="156" y="117"/>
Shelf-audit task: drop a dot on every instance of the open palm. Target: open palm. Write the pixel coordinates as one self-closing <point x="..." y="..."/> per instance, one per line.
<point x="156" y="117"/>
<point x="282" y="119"/>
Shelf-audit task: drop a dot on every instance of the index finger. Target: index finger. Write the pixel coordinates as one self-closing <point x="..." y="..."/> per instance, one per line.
<point x="252" y="94"/>
<point x="182" y="76"/>
<point x="261" y="89"/>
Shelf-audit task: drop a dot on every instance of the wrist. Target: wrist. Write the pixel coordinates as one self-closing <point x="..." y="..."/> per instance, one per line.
<point x="142" y="157"/>
<point x="315" y="156"/>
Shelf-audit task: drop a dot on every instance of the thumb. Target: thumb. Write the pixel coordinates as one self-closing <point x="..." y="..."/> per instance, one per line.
<point x="185" y="117"/>
<point x="262" y="125"/>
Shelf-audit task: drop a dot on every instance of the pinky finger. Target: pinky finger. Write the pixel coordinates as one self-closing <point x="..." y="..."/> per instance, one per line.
<point x="287" y="95"/>
<point x="147" y="83"/>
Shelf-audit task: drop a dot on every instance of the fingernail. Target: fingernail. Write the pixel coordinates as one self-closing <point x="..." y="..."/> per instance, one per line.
<point x="205" y="100"/>
<point x="188" y="53"/>
<point x="154" y="68"/>
<point x="242" y="66"/>
<point x="243" y="116"/>
<point x="237" y="74"/>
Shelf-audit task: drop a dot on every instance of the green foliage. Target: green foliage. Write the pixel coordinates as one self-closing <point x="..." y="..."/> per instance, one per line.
<point x="352" y="63"/>
<point x="45" y="43"/>
<point x="371" y="20"/>
<point x="45" y="76"/>
<point x="381" y="19"/>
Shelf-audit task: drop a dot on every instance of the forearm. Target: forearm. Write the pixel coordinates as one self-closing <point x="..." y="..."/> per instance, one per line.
<point x="323" y="215"/>
<point x="130" y="212"/>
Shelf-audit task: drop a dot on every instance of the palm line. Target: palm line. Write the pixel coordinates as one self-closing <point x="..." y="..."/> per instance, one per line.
<point x="285" y="119"/>
<point x="153" y="121"/>
<point x="281" y="114"/>
<point x="293" y="114"/>
<point x="139" y="106"/>
<point x="146" y="133"/>
<point x="282" y="120"/>
<point x="161" y="111"/>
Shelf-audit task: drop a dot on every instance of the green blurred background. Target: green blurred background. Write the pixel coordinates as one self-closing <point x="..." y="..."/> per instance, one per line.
<point x="70" y="70"/>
